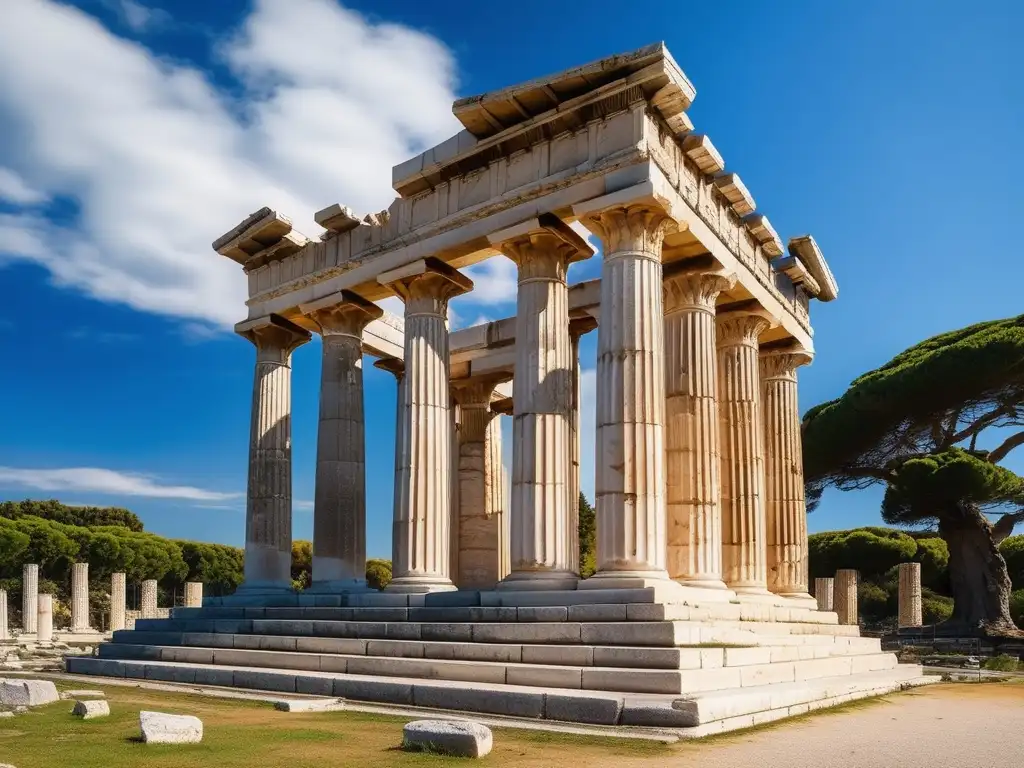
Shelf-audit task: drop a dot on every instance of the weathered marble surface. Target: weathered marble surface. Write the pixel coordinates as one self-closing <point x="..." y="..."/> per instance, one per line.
<point x="844" y="596"/>
<point x="29" y="595"/>
<point x="88" y="710"/>
<point x="162" y="728"/>
<point x="44" y="618"/>
<point x="909" y="595"/>
<point x="118" y="595"/>
<point x="27" y="693"/>
<point x="458" y="738"/>
<point x="80" y="597"/>
<point x="823" y="593"/>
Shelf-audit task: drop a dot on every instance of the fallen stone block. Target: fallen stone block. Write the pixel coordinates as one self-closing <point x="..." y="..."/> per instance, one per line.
<point x="309" y="705"/>
<point x="27" y="693"/>
<point x="162" y="728"/>
<point x="6" y="714"/>
<point x="83" y="694"/>
<point x="87" y="710"/>
<point x="459" y="738"/>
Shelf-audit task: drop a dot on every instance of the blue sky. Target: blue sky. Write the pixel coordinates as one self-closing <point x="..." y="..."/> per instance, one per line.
<point x="135" y="133"/>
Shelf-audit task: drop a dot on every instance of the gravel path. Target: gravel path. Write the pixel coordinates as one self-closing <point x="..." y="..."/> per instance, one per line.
<point x="942" y="726"/>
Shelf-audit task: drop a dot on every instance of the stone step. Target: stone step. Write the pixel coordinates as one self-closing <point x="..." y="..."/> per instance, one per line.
<point x="594" y="707"/>
<point x="589" y="612"/>
<point x="719" y="668"/>
<point x="578" y="655"/>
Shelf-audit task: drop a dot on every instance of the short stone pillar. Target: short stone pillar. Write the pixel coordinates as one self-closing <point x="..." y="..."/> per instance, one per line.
<point x="147" y="602"/>
<point x="80" y="597"/>
<point x="29" y="597"/>
<point x="193" y="594"/>
<point x="44" y="618"/>
<point x="844" y="596"/>
<point x="823" y="588"/>
<point x="910" y="595"/>
<point x="5" y="632"/>
<point x="117" y="601"/>
<point x="420" y="540"/>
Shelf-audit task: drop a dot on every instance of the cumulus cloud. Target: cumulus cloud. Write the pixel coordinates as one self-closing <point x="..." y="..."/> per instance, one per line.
<point x="140" y="17"/>
<point x="157" y="160"/>
<point x="108" y="482"/>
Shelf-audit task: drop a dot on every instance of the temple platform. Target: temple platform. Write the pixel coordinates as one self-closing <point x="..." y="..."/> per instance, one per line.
<point x="611" y="657"/>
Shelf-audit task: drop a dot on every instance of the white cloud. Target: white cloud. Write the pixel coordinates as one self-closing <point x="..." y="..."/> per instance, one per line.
<point x="494" y="281"/>
<point x="15" y="189"/>
<point x="160" y="161"/>
<point x="141" y="17"/>
<point x="302" y="505"/>
<point x="105" y="481"/>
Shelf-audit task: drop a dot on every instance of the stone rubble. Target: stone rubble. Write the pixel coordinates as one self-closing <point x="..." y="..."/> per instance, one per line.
<point x="163" y="728"/>
<point x="27" y="693"/>
<point x="88" y="710"/>
<point x="309" y="705"/>
<point x="459" y="738"/>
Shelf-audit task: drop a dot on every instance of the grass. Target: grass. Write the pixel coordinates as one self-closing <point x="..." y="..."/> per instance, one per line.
<point x="243" y="734"/>
<point x="1002" y="663"/>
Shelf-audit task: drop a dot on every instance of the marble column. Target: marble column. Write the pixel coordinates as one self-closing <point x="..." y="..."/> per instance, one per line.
<point x="823" y="589"/>
<point x="692" y="446"/>
<point x="117" y="601"/>
<point x="5" y="630"/>
<point x="193" y="594"/>
<point x="578" y="326"/>
<point x="29" y="597"/>
<point x="499" y="493"/>
<point x="420" y="535"/>
<point x="785" y="509"/>
<point x="630" y="462"/>
<point x="339" y="506"/>
<point x="147" y="601"/>
<point x="268" y="519"/>
<point x="910" y="595"/>
<point x="80" y="597"/>
<point x="543" y="384"/>
<point x="44" y="619"/>
<point x="844" y="596"/>
<point x="479" y="521"/>
<point x="744" y="562"/>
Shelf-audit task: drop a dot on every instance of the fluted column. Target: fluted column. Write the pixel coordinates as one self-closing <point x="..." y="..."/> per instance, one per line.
<point x="268" y="519"/>
<point x="420" y="536"/>
<point x="630" y="464"/>
<point x="844" y="596"/>
<point x="744" y="563"/>
<point x="80" y="597"/>
<point x="193" y="594"/>
<point x="339" y="506"/>
<point x="5" y="630"/>
<point x="148" y="599"/>
<point x="910" y="595"/>
<point x="44" y="618"/>
<point x="499" y="494"/>
<point x="785" y="509"/>
<point x="29" y="597"/>
<point x="479" y="521"/>
<point x="823" y="590"/>
<point x="578" y="326"/>
<point x="542" y="407"/>
<point x="117" y="601"/>
<point x="692" y="450"/>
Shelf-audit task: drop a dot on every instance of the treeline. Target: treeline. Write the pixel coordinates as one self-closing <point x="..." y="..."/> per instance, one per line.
<point x="876" y="553"/>
<point x="61" y="513"/>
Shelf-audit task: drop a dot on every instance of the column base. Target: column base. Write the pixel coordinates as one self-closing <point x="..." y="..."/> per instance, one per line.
<point x="800" y="599"/>
<point x="702" y="582"/>
<point x="756" y="594"/>
<point x="530" y="581"/>
<point x="338" y="587"/>
<point x="415" y="585"/>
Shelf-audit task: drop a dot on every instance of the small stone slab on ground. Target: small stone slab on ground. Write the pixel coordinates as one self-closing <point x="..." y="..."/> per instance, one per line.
<point x="87" y="710"/>
<point x="162" y="728"/>
<point x="84" y="694"/>
<point x="459" y="738"/>
<point x="310" y="705"/>
<point x="27" y="693"/>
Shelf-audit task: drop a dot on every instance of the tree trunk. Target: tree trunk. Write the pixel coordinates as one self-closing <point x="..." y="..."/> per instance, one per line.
<point x="977" y="576"/>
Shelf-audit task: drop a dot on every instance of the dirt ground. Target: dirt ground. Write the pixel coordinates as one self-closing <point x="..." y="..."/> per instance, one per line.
<point x="944" y="726"/>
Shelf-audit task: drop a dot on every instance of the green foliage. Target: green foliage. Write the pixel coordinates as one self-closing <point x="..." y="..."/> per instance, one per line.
<point x="1012" y="550"/>
<point x="1002" y="663"/>
<point x="378" y="573"/>
<point x="1017" y="607"/>
<point x="873" y="601"/>
<point x="935" y="608"/>
<point x="61" y="513"/>
<point x="218" y="566"/>
<point x="588" y="538"/>
<point x="933" y="555"/>
<point x="872" y="551"/>
<point x="924" y="487"/>
<point x="302" y="564"/>
<point x="13" y="542"/>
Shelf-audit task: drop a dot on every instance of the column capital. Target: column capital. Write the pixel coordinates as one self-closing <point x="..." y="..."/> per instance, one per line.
<point x="637" y="227"/>
<point x="345" y="313"/>
<point x="782" y="362"/>
<point x="742" y="326"/>
<point x="476" y="392"/>
<point x="426" y="285"/>
<point x="392" y="365"/>
<point x="542" y="247"/>
<point x="274" y="337"/>
<point x="689" y="287"/>
<point x="580" y="326"/>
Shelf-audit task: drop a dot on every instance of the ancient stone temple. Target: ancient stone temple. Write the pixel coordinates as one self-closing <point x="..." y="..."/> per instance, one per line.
<point x="699" y="615"/>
